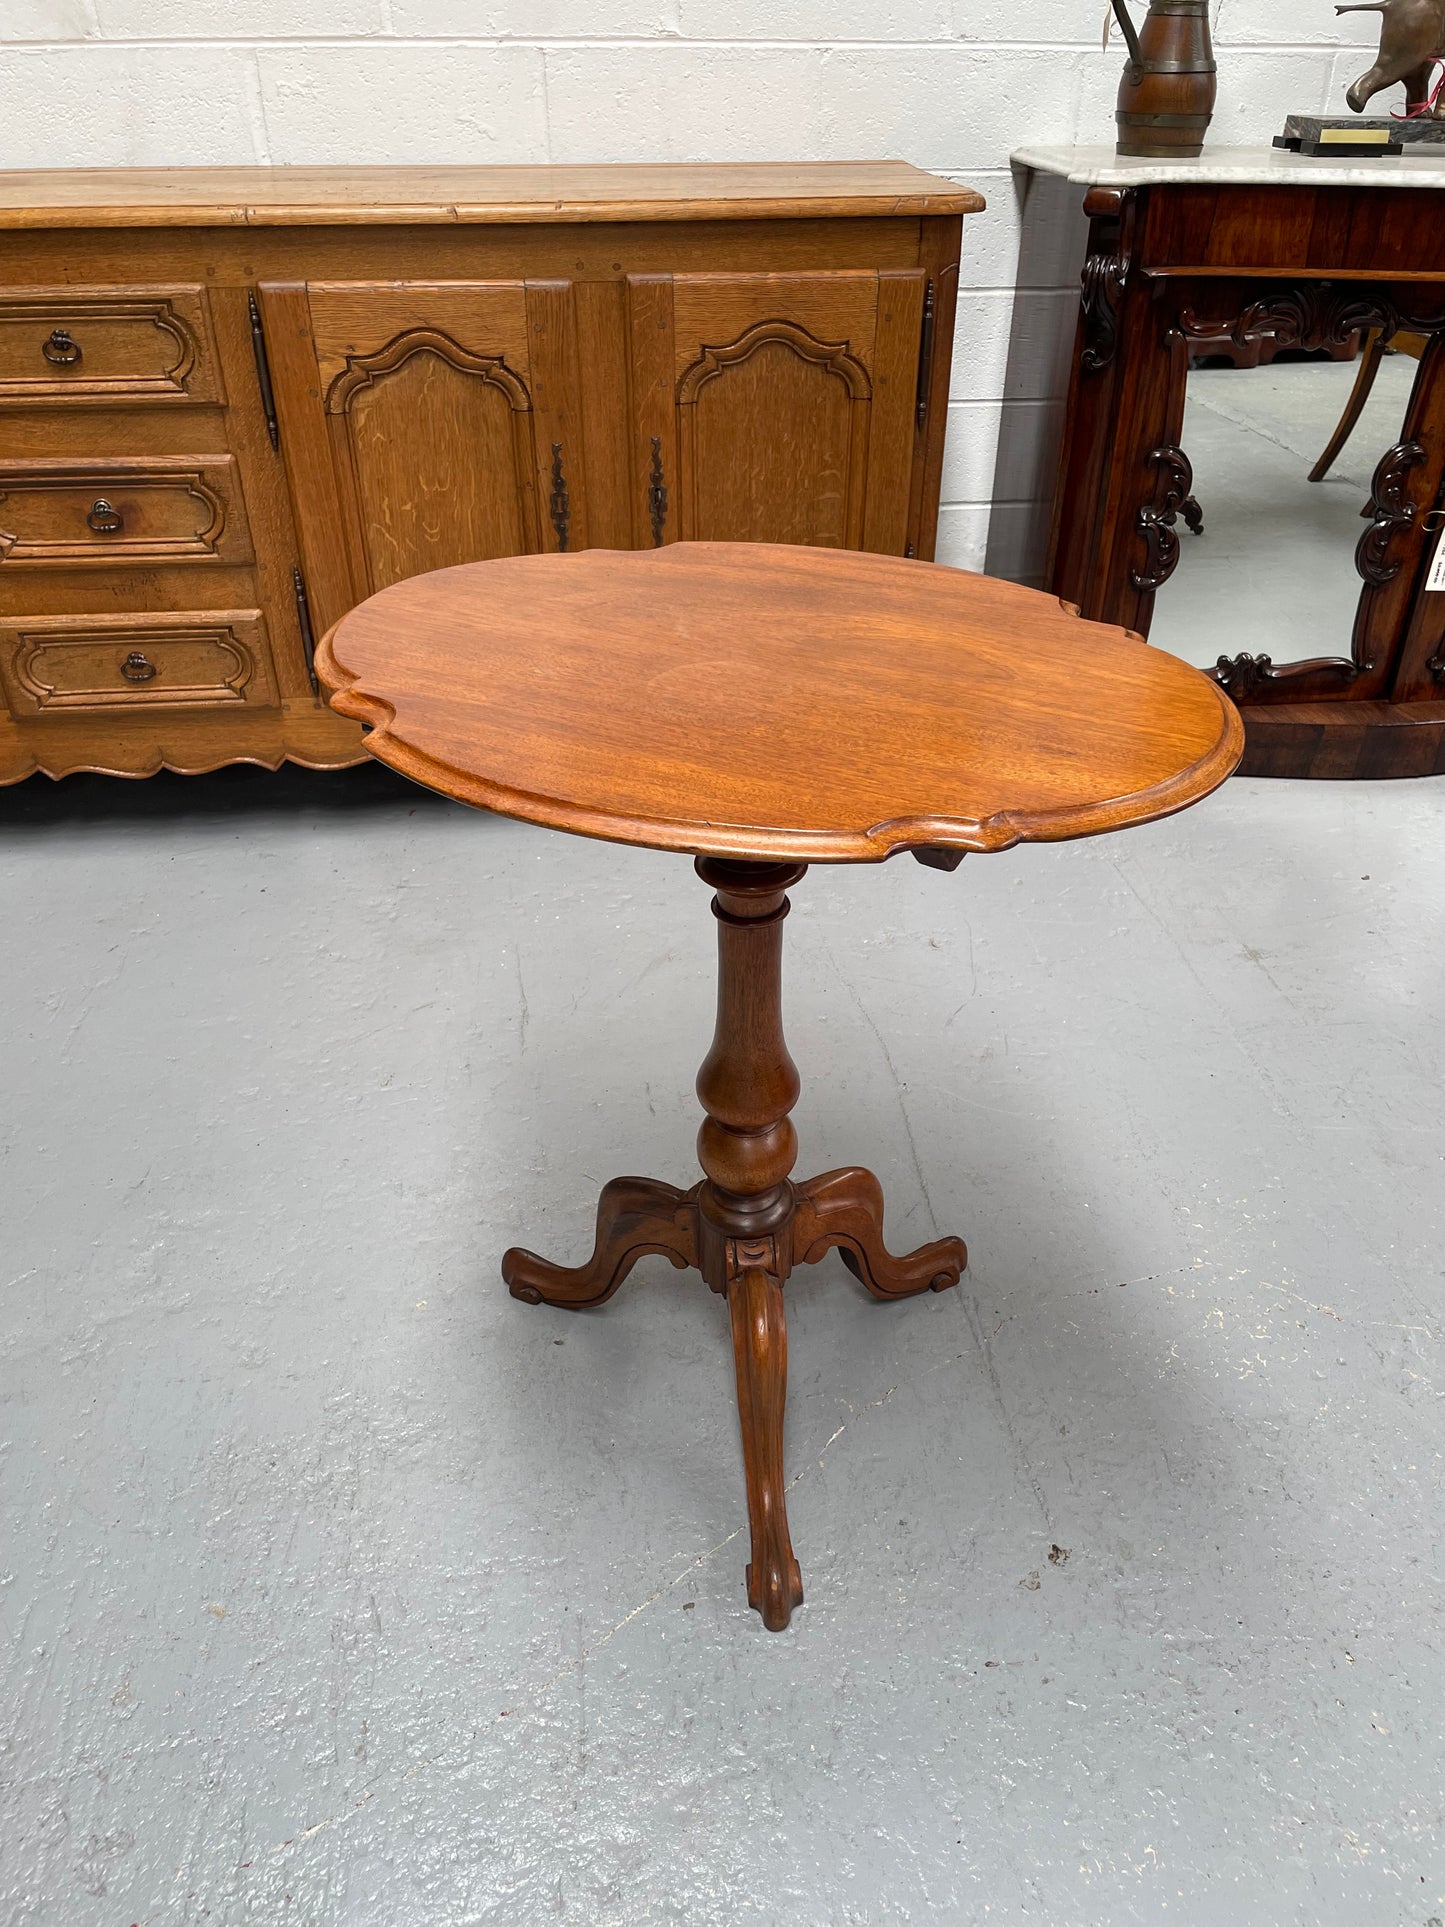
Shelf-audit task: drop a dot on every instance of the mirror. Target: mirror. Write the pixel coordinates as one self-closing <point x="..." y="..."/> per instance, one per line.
<point x="1273" y="571"/>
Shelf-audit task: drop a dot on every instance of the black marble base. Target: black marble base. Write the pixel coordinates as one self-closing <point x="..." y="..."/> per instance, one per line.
<point x="1350" y="137"/>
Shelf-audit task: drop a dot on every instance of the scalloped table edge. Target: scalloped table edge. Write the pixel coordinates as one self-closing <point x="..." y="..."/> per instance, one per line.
<point x="977" y="836"/>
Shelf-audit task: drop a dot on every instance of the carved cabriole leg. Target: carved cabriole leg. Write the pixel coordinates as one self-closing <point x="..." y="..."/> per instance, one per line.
<point x="635" y="1216"/>
<point x="747" y="1146"/>
<point x="845" y="1208"/>
<point x="760" y="1353"/>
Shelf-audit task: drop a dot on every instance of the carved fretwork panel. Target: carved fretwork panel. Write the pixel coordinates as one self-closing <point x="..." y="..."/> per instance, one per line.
<point x="436" y="446"/>
<point x="773" y="441"/>
<point x="1311" y="314"/>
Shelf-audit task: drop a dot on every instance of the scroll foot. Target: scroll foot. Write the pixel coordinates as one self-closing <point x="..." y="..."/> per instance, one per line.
<point x="760" y="1352"/>
<point x="635" y="1216"/>
<point x="845" y="1208"/>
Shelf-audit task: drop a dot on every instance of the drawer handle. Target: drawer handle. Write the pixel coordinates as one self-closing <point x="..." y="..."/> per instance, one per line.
<point x="62" y="349"/>
<point x="104" y="517"/>
<point x="137" y="667"/>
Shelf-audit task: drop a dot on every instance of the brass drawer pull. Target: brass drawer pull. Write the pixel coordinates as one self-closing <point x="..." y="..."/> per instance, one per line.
<point x="104" y="517"/>
<point x="137" y="667"/>
<point x="62" y="349"/>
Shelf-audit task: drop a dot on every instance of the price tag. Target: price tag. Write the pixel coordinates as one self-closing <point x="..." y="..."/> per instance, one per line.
<point x="1436" y="578"/>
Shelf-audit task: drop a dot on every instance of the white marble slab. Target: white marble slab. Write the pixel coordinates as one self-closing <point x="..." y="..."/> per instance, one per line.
<point x="1242" y="166"/>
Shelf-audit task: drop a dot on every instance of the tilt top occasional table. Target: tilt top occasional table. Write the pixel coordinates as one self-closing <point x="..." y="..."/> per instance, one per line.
<point x="763" y="708"/>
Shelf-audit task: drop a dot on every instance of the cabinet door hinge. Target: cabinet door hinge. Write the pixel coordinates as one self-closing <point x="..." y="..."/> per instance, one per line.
<point x="263" y="370"/>
<point x="657" y="494"/>
<point x="925" y="354"/>
<point x="559" y="503"/>
<point x="303" y="619"/>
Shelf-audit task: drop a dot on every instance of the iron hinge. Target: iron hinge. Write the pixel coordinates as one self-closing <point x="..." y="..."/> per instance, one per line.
<point x="303" y="619"/>
<point x="263" y="370"/>
<point x="925" y="354"/>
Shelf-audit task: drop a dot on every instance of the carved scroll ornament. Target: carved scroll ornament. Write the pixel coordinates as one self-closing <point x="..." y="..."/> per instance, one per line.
<point x="1105" y="275"/>
<point x="1103" y="282"/>
<point x="1242" y="676"/>
<point x="1156" y="521"/>
<point x="1392" y="514"/>
<point x="1312" y="314"/>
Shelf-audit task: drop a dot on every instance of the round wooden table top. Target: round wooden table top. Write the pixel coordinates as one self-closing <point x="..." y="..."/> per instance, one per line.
<point x="752" y="700"/>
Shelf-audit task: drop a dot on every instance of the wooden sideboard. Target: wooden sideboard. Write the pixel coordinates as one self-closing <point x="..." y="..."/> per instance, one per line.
<point x="236" y="402"/>
<point x="1237" y="248"/>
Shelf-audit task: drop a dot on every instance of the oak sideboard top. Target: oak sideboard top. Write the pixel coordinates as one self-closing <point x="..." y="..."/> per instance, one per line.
<point x="307" y="196"/>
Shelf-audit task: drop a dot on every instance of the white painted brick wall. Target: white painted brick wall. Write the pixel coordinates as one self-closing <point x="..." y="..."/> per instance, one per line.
<point x="949" y="84"/>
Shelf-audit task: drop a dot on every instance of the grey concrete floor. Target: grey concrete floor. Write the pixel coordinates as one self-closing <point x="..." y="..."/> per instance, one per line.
<point x="340" y="1588"/>
<point x="1274" y="571"/>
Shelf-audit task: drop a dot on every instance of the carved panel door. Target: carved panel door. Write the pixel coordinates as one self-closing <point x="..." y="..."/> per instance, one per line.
<point x="424" y="425"/>
<point x="777" y="407"/>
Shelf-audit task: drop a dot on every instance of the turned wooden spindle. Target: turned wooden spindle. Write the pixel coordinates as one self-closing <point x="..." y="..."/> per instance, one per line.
<point x="747" y="1146"/>
<point x="748" y="1083"/>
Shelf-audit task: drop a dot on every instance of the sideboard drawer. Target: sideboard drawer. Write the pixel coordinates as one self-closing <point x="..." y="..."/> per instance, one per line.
<point x="69" y="665"/>
<point x="153" y="510"/>
<point x="69" y="345"/>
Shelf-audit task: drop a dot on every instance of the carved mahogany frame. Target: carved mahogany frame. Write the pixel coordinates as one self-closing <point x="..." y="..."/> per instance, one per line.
<point x="1125" y="477"/>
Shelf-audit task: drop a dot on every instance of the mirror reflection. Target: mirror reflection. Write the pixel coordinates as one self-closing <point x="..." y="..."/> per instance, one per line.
<point x="1274" y="569"/>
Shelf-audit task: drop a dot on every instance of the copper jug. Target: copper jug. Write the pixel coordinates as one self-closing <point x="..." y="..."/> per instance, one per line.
<point x="1166" y="95"/>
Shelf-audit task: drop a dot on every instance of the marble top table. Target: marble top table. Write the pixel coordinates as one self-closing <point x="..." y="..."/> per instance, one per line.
<point x="1236" y="167"/>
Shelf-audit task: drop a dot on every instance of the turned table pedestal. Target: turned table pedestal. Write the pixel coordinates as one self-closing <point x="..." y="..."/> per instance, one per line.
<point x="761" y="709"/>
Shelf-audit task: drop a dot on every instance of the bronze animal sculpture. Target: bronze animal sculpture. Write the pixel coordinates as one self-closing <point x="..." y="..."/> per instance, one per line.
<point x="1412" y="39"/>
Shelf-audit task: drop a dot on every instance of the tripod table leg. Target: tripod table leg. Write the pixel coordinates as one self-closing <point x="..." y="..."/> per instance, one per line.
<point x="634" y="1216"/>
<point x="760" y="1352"/>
